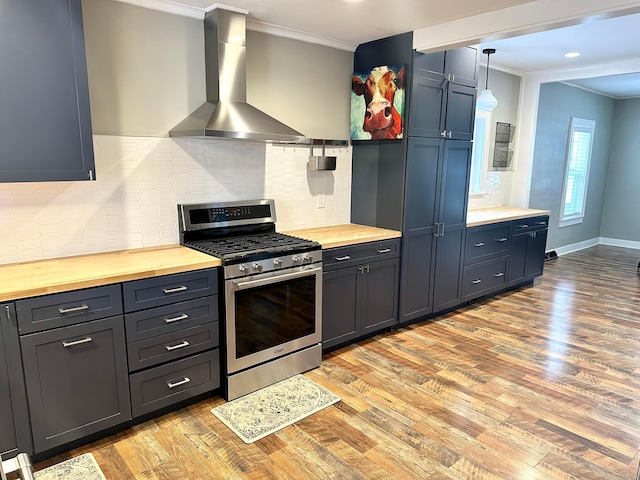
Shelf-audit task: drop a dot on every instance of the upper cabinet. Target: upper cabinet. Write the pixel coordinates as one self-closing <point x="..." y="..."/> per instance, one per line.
<point x="444" y="94"/>
<point x="45" y="122"/>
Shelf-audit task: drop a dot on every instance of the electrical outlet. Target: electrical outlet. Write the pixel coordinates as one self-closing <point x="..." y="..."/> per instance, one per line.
<point x="321" y="199"/>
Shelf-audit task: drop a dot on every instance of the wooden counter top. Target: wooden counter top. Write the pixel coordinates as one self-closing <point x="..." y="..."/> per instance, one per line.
<point x="484" y="216"/>
<point x="41" y="277"/>
<point x="344" y="235"/>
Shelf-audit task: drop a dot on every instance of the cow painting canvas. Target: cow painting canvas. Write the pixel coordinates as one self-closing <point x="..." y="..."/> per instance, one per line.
<point x="377" y="103"/>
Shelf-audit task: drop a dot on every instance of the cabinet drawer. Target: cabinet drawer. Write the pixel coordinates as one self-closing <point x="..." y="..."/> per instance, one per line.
<point x="68" y="308"/>
<point x="487" y="241"/>
<point x="170" y="318"/>
<point x="158" y="291"/>
<point x="165" y="385"/>
<point x="530" y="224"/>
<point x="484" y="277"/>
<point x="364" y="252"/>
<point x="171" y="346"/>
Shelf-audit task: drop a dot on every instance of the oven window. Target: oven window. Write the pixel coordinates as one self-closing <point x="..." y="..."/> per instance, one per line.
<point x="274" y="314"/>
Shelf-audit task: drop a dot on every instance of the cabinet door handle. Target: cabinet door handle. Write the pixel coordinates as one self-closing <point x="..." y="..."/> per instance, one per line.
<point x="343" y="258"/>
<point x="361" y="269"/>
<point x="501" y="240"/>
<point x="449" y="134"/>
<point x="443" y="134"/>
<point x="177" y="346"/>
<point x="8" y="312"/>
<point x="476" y="282"/>
<point x="184" y="316"/>
<point x="498" y="275"/>
<point x="366" y="268"/>
<point x="175" y="290"/>
<point x="77" y="342"/>
<point x="479" y="244"/>
<point x="384" y="250"/>
<point x="178" y="383"/>
<point x="73" y="309"/>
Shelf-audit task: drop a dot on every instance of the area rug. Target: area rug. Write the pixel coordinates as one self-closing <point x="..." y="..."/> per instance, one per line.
<point x="261" y="413"/>
<point x="82" y="467"/>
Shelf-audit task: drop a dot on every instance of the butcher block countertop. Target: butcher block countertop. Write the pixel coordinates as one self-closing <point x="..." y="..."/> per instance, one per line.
<point x="344" y="235"/>
<point x="41" y="277"/>
<point x="484" y="216"/>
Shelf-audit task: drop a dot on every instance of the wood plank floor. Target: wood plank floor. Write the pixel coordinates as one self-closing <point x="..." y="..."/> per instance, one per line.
<point x="540" y="383"/>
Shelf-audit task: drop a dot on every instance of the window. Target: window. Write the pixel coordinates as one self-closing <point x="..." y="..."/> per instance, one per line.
<point x="480" y="155"/>
<point x="576" y="171"/>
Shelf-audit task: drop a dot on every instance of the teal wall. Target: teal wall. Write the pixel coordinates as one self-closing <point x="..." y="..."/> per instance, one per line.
<point x="621" y="215"/>
<point x="557" y="104"/>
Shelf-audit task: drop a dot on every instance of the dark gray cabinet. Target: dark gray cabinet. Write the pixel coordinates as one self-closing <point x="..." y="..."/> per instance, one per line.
<point x="15" y="434"/>
<point x="439" y="106"/>
<point x="44" y="99"/>
<point x="528" y="243"/>
<point x="437" y="185"/>
<point x="172" y="338"/>
<point x="360" y="291"/>
<point x="458" y="65"/>
<point x="486" y="259"/>
<point x="76" y="379"/>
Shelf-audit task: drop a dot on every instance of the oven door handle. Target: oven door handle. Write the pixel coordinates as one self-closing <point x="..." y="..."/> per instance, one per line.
<point x="277" y="278"/>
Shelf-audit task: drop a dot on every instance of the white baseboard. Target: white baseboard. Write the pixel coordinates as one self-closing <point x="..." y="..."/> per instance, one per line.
<point x="574" y="247"/>
<point x="614" y="242"/>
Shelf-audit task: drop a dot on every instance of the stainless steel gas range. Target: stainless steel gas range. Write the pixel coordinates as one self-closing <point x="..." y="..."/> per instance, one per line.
<point x="272" y="291"/>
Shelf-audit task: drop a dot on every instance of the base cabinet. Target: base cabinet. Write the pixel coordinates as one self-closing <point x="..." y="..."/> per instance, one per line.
<point x="15" y="435"/>
<point x="527" y="254"/>
<point x="76" y="380"/>
<point x="360" y="295"/>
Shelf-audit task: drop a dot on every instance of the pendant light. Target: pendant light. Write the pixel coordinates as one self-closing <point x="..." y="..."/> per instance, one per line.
<point x="486" y="101"/>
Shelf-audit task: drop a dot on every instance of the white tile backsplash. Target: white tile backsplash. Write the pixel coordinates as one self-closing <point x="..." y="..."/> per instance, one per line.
<point x="140" y="180"/>
<point x="498" y="190"/>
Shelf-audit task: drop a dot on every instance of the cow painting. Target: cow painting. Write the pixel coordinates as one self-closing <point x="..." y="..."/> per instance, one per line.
<point x="380" y="115"/>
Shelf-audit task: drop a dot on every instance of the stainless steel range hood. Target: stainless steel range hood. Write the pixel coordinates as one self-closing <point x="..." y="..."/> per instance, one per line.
<point x="226" y="113"/>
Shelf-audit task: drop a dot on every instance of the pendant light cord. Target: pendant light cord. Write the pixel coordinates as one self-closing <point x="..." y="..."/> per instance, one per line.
<point x="488" y="52"/>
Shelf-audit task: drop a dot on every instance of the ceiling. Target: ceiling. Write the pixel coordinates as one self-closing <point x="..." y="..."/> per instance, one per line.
<point x="347" y="23"/>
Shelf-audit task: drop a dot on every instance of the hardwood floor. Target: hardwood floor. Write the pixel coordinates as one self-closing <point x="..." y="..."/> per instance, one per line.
<point x="539" y="383"/>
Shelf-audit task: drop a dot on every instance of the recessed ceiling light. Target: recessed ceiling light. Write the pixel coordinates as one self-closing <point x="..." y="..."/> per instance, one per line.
<point x="572" y="54"/>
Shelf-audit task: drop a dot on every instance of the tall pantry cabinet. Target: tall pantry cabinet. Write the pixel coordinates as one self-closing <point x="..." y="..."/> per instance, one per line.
<point x="419" y="184"/>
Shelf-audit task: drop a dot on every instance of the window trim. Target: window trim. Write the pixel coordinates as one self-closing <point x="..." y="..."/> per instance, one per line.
<point x="484" y="160"/>
<point x="576" y="125"/>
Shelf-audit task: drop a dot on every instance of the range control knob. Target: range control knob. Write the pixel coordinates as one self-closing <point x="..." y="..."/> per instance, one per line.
<point x="242" y="268"/>
<point x="307" y="258"/>
<point x="277" y="262"/>
<point x="257" y="267"/>
<point x="295" y="259"/>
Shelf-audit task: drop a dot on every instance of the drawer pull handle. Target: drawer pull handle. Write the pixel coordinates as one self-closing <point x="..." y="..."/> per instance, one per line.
<point x="384" y="250"/>
<point x="177" y="346"/>
<point x="73" y="309"/>
<point x="175" y="290"/>
<point x="479" y="244"/>
<point x="523" y="226"/>
<point x="476" y="282"/>
<point x="343" y="258"/>
<point x="184" y="316"/>
<point x="541" y="223"/>
<point x="77" y="342"/>
<point x="498" y="275"/>
<point x="177" y="384"/>
<point x="501" y="240"/>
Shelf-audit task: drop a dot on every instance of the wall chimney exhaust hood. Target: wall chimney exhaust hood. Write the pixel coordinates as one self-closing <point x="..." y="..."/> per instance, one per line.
<point x="226" y="113"/>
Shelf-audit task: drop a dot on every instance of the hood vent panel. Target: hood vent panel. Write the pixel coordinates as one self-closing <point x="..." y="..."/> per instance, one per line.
<point x="226" y="114"/>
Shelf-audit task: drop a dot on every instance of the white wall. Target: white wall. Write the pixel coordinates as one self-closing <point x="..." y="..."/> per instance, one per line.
<point x="140" y="180"/>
